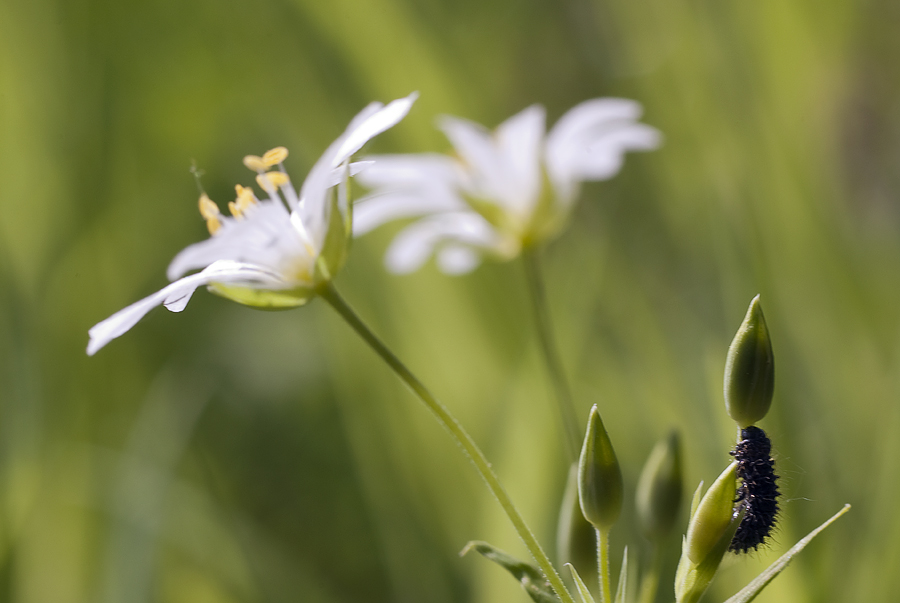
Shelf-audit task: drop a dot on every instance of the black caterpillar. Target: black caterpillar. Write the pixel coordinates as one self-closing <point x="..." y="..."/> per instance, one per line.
<point x="757" y="494"/>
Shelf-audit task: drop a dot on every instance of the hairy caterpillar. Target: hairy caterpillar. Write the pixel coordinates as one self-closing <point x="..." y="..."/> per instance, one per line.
<point x="757" y="494"/>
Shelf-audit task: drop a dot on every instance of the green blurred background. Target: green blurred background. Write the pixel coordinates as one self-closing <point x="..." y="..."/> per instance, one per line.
<point x="228" y="455"/>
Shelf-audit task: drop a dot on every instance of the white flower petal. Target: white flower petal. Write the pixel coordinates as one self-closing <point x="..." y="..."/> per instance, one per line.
<point x="363" y="129"/>
<point x="371" y="121"/>
<point x="456" y="259"/>
<point x="176" y="296"/>
<point x="604" y="156"/>
<point x="415" y="244"/>
<point x="376" y="209"/>
<point x="407" y="186"/>
<point x="484" y="165"/>
<point x="589" y="114"/>
<point x="421" y="169"/>
<point x="265" y="237"/>
<point x="519" y="143"/>
<point x="588" y="143"/>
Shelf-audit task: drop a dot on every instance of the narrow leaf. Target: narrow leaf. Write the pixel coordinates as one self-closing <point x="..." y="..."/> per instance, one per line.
<point x="529" y="576"/>
<point x="586" y="596"/>
<point x="623" y="579"/>
<point x="749" y="592"/>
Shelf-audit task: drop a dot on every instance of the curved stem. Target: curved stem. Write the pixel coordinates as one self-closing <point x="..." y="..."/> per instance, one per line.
<point x="462" y="438"/>
<point x="567" y="412"/>
<point x="603" y="566"/>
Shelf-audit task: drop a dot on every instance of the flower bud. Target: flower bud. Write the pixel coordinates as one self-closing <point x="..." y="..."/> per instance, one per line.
<point x="576" y="541"/>
<point x="750" y="369"/>
<point x="599" y="477"/>
<point x="710" y="531"/>
<point x="659" y="489"/>
<point x="713" y="516"/>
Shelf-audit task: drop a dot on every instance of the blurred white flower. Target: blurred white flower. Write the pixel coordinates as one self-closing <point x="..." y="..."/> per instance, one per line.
<point x="506" y="190"/>
<point x="274" y="252"/>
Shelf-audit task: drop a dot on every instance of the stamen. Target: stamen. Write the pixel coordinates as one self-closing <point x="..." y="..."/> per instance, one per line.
<point x="208" y="208"/>
<point x="245" y="199"/>
<point x="255" y="163"/>
<point x="244" y="195"/>
<point x="213" y="225"/>
<point x="270" y="180"/>
<point x="274" y="156"/>
<point x="210" y="212"/>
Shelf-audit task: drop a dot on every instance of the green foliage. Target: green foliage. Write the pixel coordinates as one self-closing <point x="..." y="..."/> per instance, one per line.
<point x="529" y="576"/>
<point x="749" y="592"/>
<point x="583" y="592"/>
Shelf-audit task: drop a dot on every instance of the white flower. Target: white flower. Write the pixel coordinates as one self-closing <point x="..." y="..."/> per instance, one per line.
<point x="274" y="252"/>
<point x="506" y="190"/>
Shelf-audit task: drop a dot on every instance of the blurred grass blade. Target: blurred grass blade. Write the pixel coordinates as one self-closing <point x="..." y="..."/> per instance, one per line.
<point x="749" y="592"/>
<point x="623" y="579"/>
<point x="586" y="596"/>
<point x="529" y="576"/>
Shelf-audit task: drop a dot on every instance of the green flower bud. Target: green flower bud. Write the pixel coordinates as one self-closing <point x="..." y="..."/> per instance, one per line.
<point x="599" y="477"/>
<point x="713" y="516"/>
<point x="576" y="540"/>
<point x="750" y="369"/>
<point x="659" y="489"/>
<point x="710" y="531"/>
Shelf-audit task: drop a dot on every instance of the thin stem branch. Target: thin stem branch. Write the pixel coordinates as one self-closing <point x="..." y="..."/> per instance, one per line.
<point x="566" y="405"/>
<point x="462" y="438"/>
<point x="603" y="566"/>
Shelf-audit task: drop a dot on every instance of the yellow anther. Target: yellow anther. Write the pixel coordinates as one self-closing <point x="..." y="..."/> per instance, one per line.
<point x="257" y="164"/>
<point x="244" y="194"/>
<point x="245" y="198"/>
<point x="270" y="180"/>
<point x="278" y="178"/>
<point x="213" y="224"/>
<point x="208" y="208"/>
<point x="275" y="156"/>
<point x="210" y="212"/>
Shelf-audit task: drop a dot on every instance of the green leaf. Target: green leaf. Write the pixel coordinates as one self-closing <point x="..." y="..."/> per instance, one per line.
<point x="582" y="587"/>
<point x="529" y="576"/>
<point x="749" y="592"/>
<point x="623" y="579"/>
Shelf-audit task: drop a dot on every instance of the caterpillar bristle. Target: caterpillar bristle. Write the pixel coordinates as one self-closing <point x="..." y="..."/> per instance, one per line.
<point x="758" y="493"/>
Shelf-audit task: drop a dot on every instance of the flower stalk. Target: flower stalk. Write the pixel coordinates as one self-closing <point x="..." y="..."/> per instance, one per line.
<point x="457" y="432"/>
<point x="603" y="565"/>
<point x="564" y="401"/>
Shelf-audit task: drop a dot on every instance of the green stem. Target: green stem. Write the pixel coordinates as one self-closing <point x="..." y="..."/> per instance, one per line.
<point x="463" y="439"/>
<point x="650" y="581"/>
<point x="603" y="566"/>
<point x="567" y="412"/>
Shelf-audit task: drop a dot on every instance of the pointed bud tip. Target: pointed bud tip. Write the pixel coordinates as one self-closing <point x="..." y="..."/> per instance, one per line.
<point x="600" y="487"/>
<point x="750" y="369"/>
